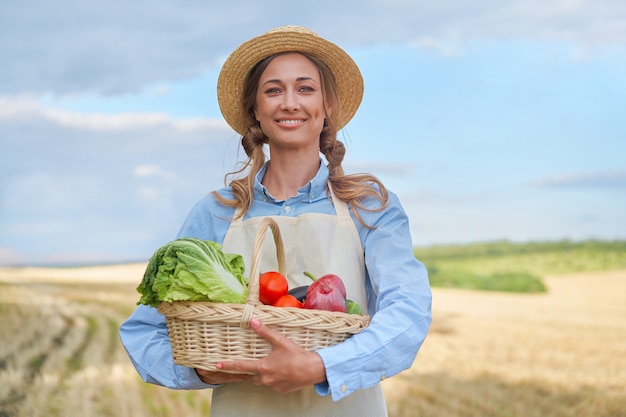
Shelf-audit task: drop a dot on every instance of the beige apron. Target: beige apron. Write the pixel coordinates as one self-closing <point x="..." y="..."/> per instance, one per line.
<point x="320" y="244"/>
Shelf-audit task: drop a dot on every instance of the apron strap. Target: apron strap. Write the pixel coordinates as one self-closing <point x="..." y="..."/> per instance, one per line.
<point x="341" y="207"/>
<point x="237" y="220"/>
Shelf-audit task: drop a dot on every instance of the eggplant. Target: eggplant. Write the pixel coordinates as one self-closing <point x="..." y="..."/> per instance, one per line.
<point x="299" y="292"/>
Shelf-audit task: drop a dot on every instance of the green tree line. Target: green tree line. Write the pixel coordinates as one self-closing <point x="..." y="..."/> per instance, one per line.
<point x="517" y="267"/>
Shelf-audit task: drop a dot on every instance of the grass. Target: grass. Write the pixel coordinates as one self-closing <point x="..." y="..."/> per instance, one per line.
<point x="76" y="361"/>
<point x="517" y="267"/>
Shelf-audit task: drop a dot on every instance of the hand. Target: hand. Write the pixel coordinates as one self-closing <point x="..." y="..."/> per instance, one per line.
<point x="287" y="368"/>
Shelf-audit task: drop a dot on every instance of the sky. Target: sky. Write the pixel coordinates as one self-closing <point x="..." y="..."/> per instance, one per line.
<point x="491" y="120"/>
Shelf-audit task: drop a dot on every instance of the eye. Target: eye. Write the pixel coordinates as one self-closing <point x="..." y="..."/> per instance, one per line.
<point x="273" y="90"/>
<point x="306" y="89"/>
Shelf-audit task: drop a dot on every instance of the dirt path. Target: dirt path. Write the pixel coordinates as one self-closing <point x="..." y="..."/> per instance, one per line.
<point x="489" y="354"/>
<point x="60" y="354"/>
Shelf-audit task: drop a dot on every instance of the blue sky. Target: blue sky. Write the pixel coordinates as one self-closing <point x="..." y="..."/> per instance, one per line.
<point x="490" y="120"/>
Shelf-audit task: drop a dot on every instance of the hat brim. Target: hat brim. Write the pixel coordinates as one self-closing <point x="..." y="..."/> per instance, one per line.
<point x="280" y="40"/>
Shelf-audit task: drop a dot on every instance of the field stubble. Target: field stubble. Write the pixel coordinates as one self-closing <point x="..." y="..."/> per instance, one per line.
<point x="558" y="353"/>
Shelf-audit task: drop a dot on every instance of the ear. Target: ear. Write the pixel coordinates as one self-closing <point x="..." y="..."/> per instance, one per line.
<point x="256" y="113"/>
<point x="328" y="109"/>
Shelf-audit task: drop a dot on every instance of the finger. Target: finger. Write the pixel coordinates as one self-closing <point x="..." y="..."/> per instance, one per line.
<point x="218" y="378"/>
<point x="266" y="333"/>
<point x="244" y="366"/>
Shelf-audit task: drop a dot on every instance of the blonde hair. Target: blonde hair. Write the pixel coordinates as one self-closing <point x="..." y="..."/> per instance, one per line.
<point x="352" y="188"/>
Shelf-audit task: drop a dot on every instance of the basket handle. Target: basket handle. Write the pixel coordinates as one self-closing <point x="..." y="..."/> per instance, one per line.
<point x="253" y="284"/>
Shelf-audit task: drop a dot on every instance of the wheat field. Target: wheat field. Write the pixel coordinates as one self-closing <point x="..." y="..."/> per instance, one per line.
<point x="560" y="353"/>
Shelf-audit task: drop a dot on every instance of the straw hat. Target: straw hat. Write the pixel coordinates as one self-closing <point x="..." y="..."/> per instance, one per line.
<point x="286" y="39"/>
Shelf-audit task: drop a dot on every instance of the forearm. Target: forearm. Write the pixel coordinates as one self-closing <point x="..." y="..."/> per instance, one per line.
<point x="144" y="336"/>
<point x="388" y="346"/>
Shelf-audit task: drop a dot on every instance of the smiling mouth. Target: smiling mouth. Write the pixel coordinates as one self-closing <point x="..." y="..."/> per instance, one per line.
<point x="291" y="121"/>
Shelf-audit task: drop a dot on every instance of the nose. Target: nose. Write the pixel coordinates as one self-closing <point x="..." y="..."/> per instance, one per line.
<point x="290" y="101"/>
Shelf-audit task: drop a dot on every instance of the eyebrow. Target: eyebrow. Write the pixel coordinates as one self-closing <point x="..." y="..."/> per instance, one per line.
<point x="299" y="79"/>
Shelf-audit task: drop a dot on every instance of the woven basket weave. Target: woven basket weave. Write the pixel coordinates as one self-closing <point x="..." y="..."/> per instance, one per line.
<point x="204" y="333"/>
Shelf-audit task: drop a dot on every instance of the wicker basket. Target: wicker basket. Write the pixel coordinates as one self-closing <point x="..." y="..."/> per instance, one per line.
<point x="204" y="333"/>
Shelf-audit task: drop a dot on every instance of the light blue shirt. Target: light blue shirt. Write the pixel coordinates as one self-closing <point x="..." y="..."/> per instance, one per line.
<point x="398" y="294"/>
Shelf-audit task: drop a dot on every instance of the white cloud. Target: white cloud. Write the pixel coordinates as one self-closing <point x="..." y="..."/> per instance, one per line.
<point x="27" y="106"/>
<point x="147" y="170"/>
<point x="149" y="193"/>
<point x="614" y="178"/>
<point x="17" y="106"/>
<point x="444" y="47"/>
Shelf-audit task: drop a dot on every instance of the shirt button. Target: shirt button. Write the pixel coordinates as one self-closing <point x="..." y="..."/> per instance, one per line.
<point x="344" y="388"/>
<point x="382" y="377"/>
<point x="287" y="209"/>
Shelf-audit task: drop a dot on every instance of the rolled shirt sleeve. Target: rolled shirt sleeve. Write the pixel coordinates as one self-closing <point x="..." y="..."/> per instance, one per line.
<point x="144" y="336"/>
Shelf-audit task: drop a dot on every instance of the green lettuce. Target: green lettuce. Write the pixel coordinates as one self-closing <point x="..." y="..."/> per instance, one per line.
<point x="190" y="269"/>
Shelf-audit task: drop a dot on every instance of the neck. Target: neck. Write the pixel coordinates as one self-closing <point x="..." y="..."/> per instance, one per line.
<point x="285" y="175"/>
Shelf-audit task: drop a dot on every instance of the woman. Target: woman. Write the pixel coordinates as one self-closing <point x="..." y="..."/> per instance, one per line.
<point x="289" y="92"/>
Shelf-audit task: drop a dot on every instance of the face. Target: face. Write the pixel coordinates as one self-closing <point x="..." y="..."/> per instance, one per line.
<point x="290" y="103"/>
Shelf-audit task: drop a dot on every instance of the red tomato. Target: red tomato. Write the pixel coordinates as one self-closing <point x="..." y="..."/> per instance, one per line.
<point x="288" y="301"/>
<point x="272" y="286"/>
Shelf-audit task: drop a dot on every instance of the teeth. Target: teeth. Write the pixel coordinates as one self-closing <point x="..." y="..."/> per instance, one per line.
<point x="290" y="122"/>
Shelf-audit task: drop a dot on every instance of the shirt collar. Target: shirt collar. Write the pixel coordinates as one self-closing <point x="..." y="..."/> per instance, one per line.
<point x="311" y="191"/>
